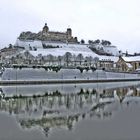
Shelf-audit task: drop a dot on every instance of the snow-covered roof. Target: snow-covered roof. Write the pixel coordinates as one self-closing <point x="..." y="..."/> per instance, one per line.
<point x="108" y="58"/>
<point x="131" y="58"/>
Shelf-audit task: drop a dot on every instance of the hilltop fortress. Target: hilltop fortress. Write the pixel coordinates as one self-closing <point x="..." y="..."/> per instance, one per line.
<point x="52" y="36"/>
<point x="62" y="42"/>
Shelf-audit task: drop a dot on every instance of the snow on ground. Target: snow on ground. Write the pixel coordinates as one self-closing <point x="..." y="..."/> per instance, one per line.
<point x="112" y="50"/>
<point x="28" y="43"/>
<point x="106" y="48"/>
<point x="73" y="49"/>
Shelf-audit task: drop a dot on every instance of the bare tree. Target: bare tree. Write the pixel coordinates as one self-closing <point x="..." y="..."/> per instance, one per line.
<point x="74" y="60"/>
<point x="59" y="58"/>
<point x="105" y="42"/>
<point x="29" y="57"/>
<point x="89" y="60"/>
<point x="40" y="58"/>
<point x="90" y="41"/>
<point x="67" y="57"/>
<point x="80" y="58"/>
<point x="82" y="41"/>
<point x="96" y="60"/>
<point x="50" y="58"/>
<point x="96" y="41"/>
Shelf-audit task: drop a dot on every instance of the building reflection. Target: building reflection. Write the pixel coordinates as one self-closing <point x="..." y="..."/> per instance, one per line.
<point x="56" y="110"/>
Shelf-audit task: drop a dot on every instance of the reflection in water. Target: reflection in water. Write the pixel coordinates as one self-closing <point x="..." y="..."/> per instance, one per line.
<point x="57" y="110"/>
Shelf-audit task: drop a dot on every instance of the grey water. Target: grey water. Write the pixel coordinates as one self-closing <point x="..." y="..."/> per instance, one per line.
<point x="103" y="111"/>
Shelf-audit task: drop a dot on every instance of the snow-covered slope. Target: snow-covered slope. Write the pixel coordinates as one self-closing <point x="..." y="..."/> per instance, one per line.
<point x="112" y="50"/>
<point x="62" y="48"/>
<point x="109" y="49"/>
<point x="38" y="44"/>
<point x="74" y="49"/>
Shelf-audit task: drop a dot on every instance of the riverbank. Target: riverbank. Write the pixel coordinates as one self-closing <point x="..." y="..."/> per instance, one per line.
<point x="64" y="76"/>
<point x="30" y="82"/>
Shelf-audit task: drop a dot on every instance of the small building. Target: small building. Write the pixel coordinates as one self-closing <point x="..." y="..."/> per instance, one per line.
<point x="107" y="62"/>
<point x="130" y="63"/>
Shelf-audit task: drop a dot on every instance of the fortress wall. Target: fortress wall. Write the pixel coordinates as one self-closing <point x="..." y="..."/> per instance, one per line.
<point x="28" y="43"/>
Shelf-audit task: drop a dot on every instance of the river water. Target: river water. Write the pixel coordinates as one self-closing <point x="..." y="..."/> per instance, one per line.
<point x="103" y="111"/>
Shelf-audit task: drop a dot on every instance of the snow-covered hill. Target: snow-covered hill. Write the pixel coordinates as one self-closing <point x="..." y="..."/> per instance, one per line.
<point x="60" y="48"/>
<point x="73" y="49"/>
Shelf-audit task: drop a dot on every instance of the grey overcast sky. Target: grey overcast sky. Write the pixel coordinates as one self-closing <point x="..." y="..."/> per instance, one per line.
<point x="115" y="20"/>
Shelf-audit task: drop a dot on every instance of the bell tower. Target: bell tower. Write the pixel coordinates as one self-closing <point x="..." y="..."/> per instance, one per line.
<point x="69" y="33"/>
<point x="45" y="28"/>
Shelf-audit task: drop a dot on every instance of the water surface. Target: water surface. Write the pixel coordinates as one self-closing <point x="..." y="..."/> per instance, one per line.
<point x="108" y="111"/>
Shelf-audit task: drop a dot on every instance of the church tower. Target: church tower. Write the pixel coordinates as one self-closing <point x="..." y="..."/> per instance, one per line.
<point x="45" y="29"/>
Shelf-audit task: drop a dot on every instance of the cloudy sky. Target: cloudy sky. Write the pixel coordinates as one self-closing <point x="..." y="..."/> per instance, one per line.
<point x="115" y="20"/>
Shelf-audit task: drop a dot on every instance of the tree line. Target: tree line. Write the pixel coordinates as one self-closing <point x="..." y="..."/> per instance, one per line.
<point x="68" y="59"/>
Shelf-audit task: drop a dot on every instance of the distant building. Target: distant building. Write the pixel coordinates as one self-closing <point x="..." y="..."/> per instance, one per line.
<point x="47" y="35"/>
<point x="130" y="63"/>
<point x="107" y="62"/>
<point x="7" y="52"/>
<point x="58" y="36"/>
